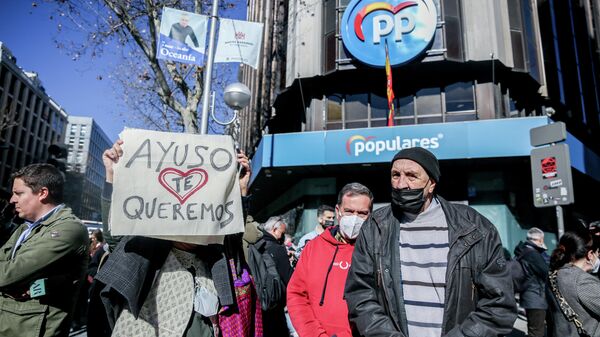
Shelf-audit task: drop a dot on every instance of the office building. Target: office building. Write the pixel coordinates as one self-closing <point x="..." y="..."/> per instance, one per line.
<point x="86" y="142"/>
<point x="471" y="78"/>
<point x="30" y="121"/>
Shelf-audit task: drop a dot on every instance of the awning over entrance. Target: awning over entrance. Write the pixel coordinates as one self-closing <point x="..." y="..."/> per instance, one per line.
<point x="462" y="140"/>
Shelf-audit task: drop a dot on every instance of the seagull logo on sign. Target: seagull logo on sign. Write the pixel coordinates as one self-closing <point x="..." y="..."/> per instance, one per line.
<point x="407" y="27"/>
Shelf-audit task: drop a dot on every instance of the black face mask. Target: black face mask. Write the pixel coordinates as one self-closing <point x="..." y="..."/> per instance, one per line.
<point x="410" y="201"/>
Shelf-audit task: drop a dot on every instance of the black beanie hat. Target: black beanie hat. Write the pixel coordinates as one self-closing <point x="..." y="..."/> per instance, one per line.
<point x="422" y="157"/>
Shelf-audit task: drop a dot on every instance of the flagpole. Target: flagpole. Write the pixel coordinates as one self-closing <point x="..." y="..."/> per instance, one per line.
<point x="209" y="67"/>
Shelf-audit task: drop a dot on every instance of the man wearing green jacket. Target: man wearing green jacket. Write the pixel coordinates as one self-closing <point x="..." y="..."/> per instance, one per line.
<point x="43" y="263"/>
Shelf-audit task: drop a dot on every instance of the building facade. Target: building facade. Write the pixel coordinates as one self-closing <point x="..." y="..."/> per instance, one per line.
<point x="30" y="121"/>
<point x="470" y="79"/>
<point x="86" y="142"/>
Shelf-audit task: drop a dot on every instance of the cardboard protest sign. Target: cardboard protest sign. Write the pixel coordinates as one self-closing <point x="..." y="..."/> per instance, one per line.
<point x="176" y="186"/>
<point x="182" y="36"/>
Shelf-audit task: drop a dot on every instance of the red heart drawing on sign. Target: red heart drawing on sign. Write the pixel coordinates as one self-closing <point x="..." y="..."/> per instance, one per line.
<point x="197" y="178"/>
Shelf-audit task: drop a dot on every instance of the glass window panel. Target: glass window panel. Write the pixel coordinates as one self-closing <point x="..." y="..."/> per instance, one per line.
<point x="378" y="123"/>
<point x="460" y="97"/>
<point x="334" y="126"/>
<point x="341" y="51"/>
<point x="461" y="117"/>
<point x="438" y="41"/>
<point x="404" y="121"/>
<point x="453" y="38"/>
<point x="406" y="106"/>
<point x="330" y="42"/>
<point x="356" y="125"/>
<point x="329" y="16"/>
<point x="428" y="120"/>
<point x="451" y="7"/>
<point x="517" y="48"/>
<point x="514" y="14"/>
<point x="429" y="101"/>
<point x="379" y="106"/>
<point x="334" y="108"/>
<point x="13" y="85"/>
<point x="356" y="107"/>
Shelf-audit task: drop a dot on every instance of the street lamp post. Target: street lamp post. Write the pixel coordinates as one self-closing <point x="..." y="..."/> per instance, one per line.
<point x="209" y="67"/>
<point x="237" y="97"/>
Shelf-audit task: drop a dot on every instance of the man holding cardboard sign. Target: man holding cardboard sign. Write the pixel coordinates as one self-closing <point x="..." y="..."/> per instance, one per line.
<point x="178" y="191"/>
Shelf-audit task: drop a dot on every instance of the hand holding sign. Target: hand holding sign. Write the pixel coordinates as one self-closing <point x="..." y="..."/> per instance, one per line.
<point x="172" y="185"/>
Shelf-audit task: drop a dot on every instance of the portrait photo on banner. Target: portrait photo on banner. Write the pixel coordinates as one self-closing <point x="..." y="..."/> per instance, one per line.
<point x="176" y="186"/>
<point x="182" y="36"/>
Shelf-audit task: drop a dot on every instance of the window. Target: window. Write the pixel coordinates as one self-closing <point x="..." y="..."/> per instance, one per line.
<point x="334" y="112"/>
<point x="356" y="107"/>
<point x="516" y="33"/>
<point x="453" y="30"/>
<point x="429" y="102"/>
<point x="460" y="97"/>
<point x="405" y="112"/>
<point x="3" y="72"/>
<point x="329" y="39"/>
<point x="379" y="107"/>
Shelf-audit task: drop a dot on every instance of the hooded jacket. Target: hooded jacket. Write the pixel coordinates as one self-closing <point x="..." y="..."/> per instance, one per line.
<point x="479" y="299"/>
<point x="315" y="294"/>
<point x="534" y="295"/>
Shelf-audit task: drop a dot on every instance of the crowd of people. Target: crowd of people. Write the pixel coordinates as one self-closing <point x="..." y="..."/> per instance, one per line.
<point x="420" y="266"/>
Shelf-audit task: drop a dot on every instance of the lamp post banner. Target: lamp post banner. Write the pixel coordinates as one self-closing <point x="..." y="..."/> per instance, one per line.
<point x="176" y="186"/>
<point x="182" y="36"/>
<point x="239" y="41"/>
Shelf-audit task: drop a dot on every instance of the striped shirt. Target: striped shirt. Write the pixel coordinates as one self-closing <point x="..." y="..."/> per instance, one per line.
<point x="424" y="258"/>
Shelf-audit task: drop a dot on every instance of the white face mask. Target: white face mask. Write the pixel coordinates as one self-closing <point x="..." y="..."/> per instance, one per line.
<point x="595" y="265"/>
<point x="350" y="226"/>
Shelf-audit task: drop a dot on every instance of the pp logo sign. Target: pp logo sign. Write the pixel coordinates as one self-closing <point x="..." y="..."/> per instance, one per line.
<point x="407" y="27"/>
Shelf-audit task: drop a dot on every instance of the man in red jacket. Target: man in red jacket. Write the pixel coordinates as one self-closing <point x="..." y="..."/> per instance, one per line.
<point x="315" y="294"/>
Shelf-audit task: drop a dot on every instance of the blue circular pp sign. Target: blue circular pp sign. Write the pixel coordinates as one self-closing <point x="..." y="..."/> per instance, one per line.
<point x="407" y="27"/>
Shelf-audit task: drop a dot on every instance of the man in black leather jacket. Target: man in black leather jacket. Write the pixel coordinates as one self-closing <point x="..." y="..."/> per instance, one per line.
<point x="466" y="291"/>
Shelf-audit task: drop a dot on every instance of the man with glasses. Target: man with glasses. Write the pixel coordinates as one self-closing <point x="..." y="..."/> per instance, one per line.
<point x="315" y="294"/>
<point x="426" y="267"/>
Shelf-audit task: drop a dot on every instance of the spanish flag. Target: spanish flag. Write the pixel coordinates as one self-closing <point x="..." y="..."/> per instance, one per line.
<point x="390" y="88"/>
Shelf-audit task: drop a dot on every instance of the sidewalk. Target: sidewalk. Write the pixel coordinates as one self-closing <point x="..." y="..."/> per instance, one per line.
<point x="520" y="329"/>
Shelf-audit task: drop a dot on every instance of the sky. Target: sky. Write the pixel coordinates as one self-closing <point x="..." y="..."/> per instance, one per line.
<point x="29" y="33"/>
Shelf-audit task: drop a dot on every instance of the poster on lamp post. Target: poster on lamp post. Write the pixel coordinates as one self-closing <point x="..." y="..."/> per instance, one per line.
<point x="176" y="186"/>
<point x="182" y="36"/>
<point x="239" y="41"/>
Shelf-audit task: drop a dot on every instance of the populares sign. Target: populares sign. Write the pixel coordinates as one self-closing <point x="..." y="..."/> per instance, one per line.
<point x="407" y="27"/>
